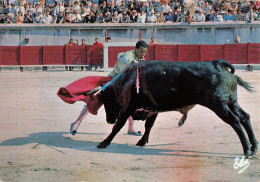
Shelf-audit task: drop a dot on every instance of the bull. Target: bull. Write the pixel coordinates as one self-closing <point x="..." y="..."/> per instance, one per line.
<point x="177" y="86"/>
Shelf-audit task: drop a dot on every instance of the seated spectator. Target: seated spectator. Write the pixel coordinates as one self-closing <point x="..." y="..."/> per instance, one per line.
<point x="30" y="8"/>
<point x="76" y="18"/>
<point x="2" y="20"/>
<point x="51" y="12"/>
<point x="67" y="18"/>
<point x="160" y="18"/>
<point x="28" y="18"/>
<point x="38" y="18"/>
<point x="76" y="7"/>
<point x="211" y="16"/>
<point x="99" y="17"/>
<point x="200" y="17"/>
<point x="159" y="7"/>
<point x="200" y="4"/>
<point x="141" y="17"/>
<point x="93" y="8"/>
<point x="113" y="7"/>
<point x="31" y="1"/>
<point x="217" y="17"/>
<point x="258" y="15"/>
<point x="50" y="3"/>
<point x="245" y="6"/>
<point x="122" y="8"/>
<point x="47" y="19"/>
<point x="38" y="8"/>
<point x="69" y="8"/>
<point x="59" y="8"/>
<point x="85" y="10"/>
<point x="59" y="18"/>
<point x="13" y="10"/>
<point x="115" y="18"/>
<point x="91" y="18"/>
<point x="103" y="8"/>
<point x="188" y="5"/>
<point x="169" y="17"/>
<point x="252" y="5"/>
<point x="166" y="8"/>
<point x="152" y="18"/>
<point x="178" y="16"/>
<point x="125" y="18"/>
<point x="133" y="17"/>
<point x="234" y="7"/>
<point x="229" y="16"/>
<point x="251" y="16"/>
<point x="226" y="6"/>
<point x="108" y="18"/>
<point x="239" y="16"/>
<point x="20" y="8"/>
<point x="19" y="18"/>
<point x="206" y="9"/>
<point x="131" y="6"/>
<point x="142" y="8"/>
<point x="218" y="6"/>
<point x="149" y="8"/>
<point x="8" y="19"/>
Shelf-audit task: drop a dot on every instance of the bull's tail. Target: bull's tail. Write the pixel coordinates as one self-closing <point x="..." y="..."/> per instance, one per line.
<point x="224" y="64"/>
<point x="245" y="84"/>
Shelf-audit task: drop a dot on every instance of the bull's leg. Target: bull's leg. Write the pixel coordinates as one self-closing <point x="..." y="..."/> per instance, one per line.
<point x="245" y="121"/>
<point x="184" y="111"/>
<point x="116" y="128"/>
<point x="226" y="115"/>
<point x="148" y="126"/>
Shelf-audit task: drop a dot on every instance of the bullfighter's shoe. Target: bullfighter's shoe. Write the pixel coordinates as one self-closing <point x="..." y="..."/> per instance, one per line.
<point x="139" y="133"/>
<point x="73" y="132"/>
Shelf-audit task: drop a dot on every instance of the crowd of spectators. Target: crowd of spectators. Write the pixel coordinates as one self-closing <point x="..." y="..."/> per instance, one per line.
<point x="128" y="11"/>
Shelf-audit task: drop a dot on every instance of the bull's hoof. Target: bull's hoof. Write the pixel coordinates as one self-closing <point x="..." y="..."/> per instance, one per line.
<point x="102" y="145"/>
<point x="254" y="149"/>
<point x="247" y="153"/>
<point x="141" y="143"/>
<point x="180" y="123"/>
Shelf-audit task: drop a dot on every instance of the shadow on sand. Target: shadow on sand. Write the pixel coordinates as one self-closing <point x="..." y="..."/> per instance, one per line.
<point x="57" y="139"/>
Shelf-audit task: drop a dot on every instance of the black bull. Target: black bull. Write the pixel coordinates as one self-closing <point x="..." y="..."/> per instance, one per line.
<point x="171" y="86"/>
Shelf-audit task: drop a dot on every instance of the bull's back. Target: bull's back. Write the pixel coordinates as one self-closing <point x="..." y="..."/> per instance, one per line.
<point x="176" y="84"/>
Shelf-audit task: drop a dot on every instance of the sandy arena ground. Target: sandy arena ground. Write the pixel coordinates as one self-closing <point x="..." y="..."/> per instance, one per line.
<point x="35" y="144"/>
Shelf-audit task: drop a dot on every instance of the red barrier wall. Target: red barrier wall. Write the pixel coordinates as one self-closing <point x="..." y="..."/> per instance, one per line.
<point x="86" y="55"/>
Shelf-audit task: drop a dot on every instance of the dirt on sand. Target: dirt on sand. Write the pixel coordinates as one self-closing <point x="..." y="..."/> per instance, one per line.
<point x="35" y="144"/>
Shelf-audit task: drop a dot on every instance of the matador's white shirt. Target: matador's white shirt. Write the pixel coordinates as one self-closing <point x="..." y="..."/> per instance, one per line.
<point x="124" y="60"/>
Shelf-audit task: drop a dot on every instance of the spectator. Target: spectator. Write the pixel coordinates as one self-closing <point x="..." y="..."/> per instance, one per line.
<point x="85" y="10"/>
<point x="93" y="8"/>
<point x="169" y="18"/>
<point x="69" y="8"/>
<point x="91" y="18"/>
<point x="239" y="16"/>
<point x="153" y="42"/>
<point x="178" y="16"/>
<point x="161" y="18"/>
<point x="217" y="17"/>
<point x="200" y="17"/>
<point x="20" y="8"/>
<point x="108" y="39"/>
<point x="113" y="8"/>
<point x="251" y="16"/>
<point x="218" y="6"/>
<point x="152" y="18"/>
<point x="131" y="6"/>
<point x="103" y="8"/>
<point x="19" y="18"/>
<point x="76" y="18"/>
<point x="28" y="17"/>
<point x="59" y="8"/>
<point x="67" y="18"/>
<point x="2" y="20"/>
<point x="125" y="18"/>
<point x="200" y="4"/>
<point x="99" y="17"/>
<point x="122" y="8"/>
<point x="143" y="8"/>
<point x="229" y="16"/>
<point x="245" y="6"/>
<point x="188" y="5"/>
<point x="234" y="7"/>
<point x="76" y="7"/>
<point x="159" y="7"/>
<point x="115" y="18"/>
<point x="31" y="1"/>
<point x="188" y="18"/>
<point x="47" y="19"/>
<point x="50" y="3"/>
<point x="226" y="6"/>
<point x="50" y="11"/>
<point x="166" y="8"/>
<point x="30" y="8"/>
<point x="59" y="18"/>
<point x="133" y="17"/>
<point x="38" y="18"/>
<point x="211" y="16"/>
<point x="141" y="17"/>
<point x="150" y="8"/>
<point x="38" y="8"/>
<point x="13" y="10"/>
<point x="108" y="18"/>
<point x="8" y="19"/>
<point x="252" y="5"/>
<point x="206" y="9"/>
